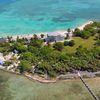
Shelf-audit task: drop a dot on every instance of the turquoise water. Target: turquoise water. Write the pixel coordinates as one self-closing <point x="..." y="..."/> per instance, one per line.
<point x="13" y="87"/>
<point x="30" y="16"/>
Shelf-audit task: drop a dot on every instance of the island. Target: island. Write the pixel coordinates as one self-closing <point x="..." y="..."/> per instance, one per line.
<point x="52" y="56"/>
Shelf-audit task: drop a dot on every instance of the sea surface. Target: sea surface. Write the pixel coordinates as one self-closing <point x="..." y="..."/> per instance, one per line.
<point x="14" y="87"/>
<point x="34" y="16"/>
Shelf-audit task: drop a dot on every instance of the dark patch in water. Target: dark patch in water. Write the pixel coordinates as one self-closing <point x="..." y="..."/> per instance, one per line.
<point x="59" y="19"/>
<point x="65" y="17"/>
<point x="40" y="19"/>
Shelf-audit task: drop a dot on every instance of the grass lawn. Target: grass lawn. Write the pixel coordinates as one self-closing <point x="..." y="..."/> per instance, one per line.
<point x="88" y="43"/>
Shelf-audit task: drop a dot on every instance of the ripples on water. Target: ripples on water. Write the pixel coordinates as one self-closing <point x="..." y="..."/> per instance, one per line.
<point x="27" y="16"/>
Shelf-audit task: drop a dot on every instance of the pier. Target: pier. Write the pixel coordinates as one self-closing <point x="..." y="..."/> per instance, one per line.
<point x="88" y="88"/>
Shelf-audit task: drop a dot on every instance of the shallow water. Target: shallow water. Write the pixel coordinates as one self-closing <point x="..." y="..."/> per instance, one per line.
<point x="30" y="16"/>
<point x="13" y="87"/>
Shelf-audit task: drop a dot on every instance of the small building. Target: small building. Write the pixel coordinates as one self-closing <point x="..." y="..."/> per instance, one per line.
<point x="52" y="38"/>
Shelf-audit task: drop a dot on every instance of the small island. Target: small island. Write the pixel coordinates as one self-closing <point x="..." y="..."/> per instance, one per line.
<point x="52" y="56"/>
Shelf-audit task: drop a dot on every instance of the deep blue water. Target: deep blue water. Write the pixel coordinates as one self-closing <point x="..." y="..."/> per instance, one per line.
<point x="30" y="16"/>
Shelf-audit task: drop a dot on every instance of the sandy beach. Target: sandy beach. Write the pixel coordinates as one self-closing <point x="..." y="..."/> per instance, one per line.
<point x="54" y="33"/>
<point x="82" y="26"/>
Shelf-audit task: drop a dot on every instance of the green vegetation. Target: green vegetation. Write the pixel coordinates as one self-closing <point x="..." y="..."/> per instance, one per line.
<point x="25" y="66"/>
<point x="69" y="43"/>
<point x="98" y="42"/>
<point x="5" y="48"/>
<point x="19" y="47"/>
<point x="86" y="43"/>
<point x="81" y="53"/>
<point x="89" y="30"/>
<point x="58" y="46"/>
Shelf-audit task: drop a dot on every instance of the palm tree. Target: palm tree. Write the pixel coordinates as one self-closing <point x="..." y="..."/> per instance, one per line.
<point x="35" y="36"/>
<point x="42" y="35"/>
<point x="67" y="34"/>
<point x="9" y="38"/>
<point x="68" y="30"/>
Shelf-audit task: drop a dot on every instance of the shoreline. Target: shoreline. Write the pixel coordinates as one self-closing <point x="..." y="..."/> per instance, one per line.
<point x="83" y="25"/>
<point x="44" y="79"/>
<point x="66" y="77"/>
<point x="57" y="32"/>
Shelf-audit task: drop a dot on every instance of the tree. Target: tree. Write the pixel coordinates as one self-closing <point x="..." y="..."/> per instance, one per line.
<point x="36" y="42"/>
<point x="67" y="34"/>
<point x="45" y="52"/>
<point x="85" y="34"/>
<point x="33" y="50"/>
<point x="21" y="41"/>
<point x="19" y="47"/>
<point x="71" y="43"/>
<point x="68" y="30"/>
<point x="58" y="46"/>
<point x="42" y="35"/>
<point x="35" y="36"/>
<point x="77" y="32"/>
<point x="27" y="56"/>
<point x="44" y="66"/>
<point x="9" y="39"/>
<point x="66" y="43"/>
<point x="98" y="43"/>
<point x="80" y="50"/>
<point x="98" y="35"/>
<point x="5" y="48"/>
<point x="25" y="66"/>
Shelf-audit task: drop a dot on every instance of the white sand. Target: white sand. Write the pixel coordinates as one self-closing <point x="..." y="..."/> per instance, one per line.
<point x="82" y="26"/>
<point x="55" y="33"/>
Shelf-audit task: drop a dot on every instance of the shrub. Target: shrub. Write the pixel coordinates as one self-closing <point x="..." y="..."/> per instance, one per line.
<point x="66" y="43"/>
<point x="71" y="43"/>
<point x="25" y="66"/>
<point x="58" y="46"/>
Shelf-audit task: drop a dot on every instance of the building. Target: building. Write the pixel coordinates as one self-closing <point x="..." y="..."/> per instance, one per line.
<point x="52" y="38"/>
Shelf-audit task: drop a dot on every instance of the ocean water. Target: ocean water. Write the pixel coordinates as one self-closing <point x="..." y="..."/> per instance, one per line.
<point x="33" y="16"/>
<point x="13" y="87"/>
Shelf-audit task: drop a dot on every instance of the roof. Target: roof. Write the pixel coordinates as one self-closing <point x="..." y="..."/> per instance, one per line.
<point x="54" y="38"/>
